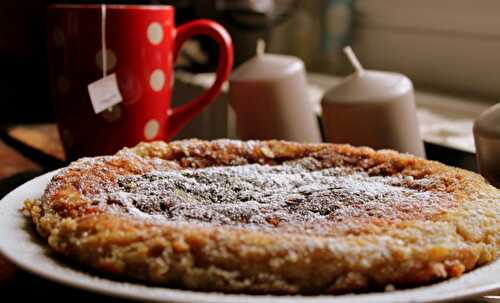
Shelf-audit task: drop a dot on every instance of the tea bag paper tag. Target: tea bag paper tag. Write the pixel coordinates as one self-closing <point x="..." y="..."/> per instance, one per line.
<point x="104" y="93"/>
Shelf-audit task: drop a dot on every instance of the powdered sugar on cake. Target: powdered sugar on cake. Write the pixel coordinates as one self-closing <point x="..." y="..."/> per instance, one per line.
<point x="297" y="193"/>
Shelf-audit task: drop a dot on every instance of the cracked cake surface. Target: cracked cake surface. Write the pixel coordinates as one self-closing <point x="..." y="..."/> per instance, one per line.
<point x="270" y="217"/>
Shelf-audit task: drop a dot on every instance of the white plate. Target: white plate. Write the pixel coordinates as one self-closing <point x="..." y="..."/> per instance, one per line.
<point x="20" y="244"/>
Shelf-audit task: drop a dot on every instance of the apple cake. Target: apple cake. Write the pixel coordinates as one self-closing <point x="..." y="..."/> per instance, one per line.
<point x="269" y="217"/>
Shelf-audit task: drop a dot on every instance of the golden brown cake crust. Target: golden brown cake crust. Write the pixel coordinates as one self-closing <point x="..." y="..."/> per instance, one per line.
<point x="270" y="217"/>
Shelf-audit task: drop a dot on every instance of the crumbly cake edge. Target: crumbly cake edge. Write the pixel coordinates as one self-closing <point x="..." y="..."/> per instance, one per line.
<point x="455" y="245"/>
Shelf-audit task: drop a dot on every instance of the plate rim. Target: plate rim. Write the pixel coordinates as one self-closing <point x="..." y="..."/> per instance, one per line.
<point x="129" y="290"/>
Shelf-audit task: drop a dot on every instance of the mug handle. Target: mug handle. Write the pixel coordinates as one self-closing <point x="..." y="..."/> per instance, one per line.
<point x="179" y="116"/>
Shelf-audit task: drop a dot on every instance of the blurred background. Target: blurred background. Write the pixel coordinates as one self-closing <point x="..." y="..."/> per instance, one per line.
<point x="448" y="48"/>
<point x="286" y="25"/>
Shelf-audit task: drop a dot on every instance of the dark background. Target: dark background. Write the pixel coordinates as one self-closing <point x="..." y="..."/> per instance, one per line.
<point x="23" y="81"/>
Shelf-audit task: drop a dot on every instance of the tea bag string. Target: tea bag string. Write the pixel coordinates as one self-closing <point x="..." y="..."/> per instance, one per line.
<point x="103" y="41"/>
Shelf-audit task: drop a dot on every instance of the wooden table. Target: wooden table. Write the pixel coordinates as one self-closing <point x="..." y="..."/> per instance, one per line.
<point x="42" y="143"/>
<point x="15" y="168"/>
<point x="43" y="137"/>
<point x="11" y="162"/>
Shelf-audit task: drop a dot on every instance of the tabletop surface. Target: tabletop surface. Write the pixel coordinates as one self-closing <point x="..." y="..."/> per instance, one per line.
<point x="15" y="169"/>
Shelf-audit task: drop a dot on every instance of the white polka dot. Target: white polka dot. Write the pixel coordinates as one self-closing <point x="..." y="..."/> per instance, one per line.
<point x="157" y="80"/>
<point x="58" y="37"/>
<point x="155" y="33"/>
<point x="63" y="85"/>
<point x="111" y="57"/>
<point x="151" y="129"/>
<point x="112" y="114"/>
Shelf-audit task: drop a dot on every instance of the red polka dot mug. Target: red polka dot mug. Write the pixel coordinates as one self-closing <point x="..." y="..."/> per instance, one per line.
<point x="141" y="43"/>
